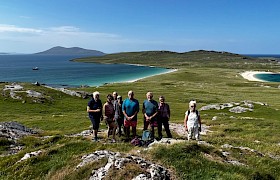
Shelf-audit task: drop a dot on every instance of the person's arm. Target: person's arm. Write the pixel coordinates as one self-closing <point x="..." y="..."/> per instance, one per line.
<point x="143" y="108"/>
<point x="104" y="109"/>
<point x="125" y="115"/>
<point x="91" y="110"/>
<point x="116" y="109"/>
<point x="156" y="110"/>
<point x="168" y="111"/>
<point x="185" y="122"/>
<point x="123" y="110"/>
<point x="144" y="111"/>
<point x="199" y="121"/>
<point x="154" y="115"/>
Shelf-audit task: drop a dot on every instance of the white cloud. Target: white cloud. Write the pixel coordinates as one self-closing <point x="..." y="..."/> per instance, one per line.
<point x="13" y="28"/>
<point x="65" y="29"/>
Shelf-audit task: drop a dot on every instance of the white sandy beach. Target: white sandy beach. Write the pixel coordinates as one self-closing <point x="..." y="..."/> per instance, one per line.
<point x="170" y="71"/>
<point x="250" y="75"/>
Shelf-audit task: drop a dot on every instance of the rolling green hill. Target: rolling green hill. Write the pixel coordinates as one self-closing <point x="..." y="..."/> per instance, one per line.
<point x="209" y="77"/>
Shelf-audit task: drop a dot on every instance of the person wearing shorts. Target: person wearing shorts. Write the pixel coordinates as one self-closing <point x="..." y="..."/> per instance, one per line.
<point x="150" y="111"/>
<point x="130" y="108"/>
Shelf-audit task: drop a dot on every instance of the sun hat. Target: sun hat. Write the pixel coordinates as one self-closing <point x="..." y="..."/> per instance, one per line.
<point x="192" y="103"/>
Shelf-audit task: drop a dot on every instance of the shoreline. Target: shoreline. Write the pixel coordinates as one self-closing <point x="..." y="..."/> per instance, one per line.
<point x="169" y="71"/>
<point x="137" y="79"/>
<point x="250" y="75"/>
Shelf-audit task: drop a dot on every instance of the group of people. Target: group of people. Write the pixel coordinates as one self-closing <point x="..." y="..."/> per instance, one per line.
<point x="122" y="115"/>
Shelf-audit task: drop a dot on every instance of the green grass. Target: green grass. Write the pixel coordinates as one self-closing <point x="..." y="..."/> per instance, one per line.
<point x="208" y="77"/>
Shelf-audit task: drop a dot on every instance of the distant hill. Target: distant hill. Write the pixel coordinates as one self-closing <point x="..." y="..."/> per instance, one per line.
<point x="58" y="50"/>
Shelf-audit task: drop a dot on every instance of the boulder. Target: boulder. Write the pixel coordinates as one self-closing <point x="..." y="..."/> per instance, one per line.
<point x="117" y="160"/>
<point x="239" y="109"/>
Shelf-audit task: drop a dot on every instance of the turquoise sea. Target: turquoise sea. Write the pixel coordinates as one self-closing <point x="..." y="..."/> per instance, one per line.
<point x="268" y="77"/>
<point x="274" y="77"/>
<point x="59" y="71"/>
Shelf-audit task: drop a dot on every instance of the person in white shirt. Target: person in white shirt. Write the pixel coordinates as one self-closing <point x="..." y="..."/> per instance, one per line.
<point x="192" y="121"/>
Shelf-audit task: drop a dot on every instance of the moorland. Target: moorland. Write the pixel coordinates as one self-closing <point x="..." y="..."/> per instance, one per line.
<point x="250" y="138"/>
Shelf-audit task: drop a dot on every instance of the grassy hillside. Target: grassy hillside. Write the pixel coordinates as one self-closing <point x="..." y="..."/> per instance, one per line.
<point x="207" y="76"/>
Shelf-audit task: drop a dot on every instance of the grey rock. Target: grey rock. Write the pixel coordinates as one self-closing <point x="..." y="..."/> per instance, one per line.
<point x="204" y="143"/>
<point x="141" y="177"/>
<point x="14" y="130"/>
<point x="214" y="118"/>
<point x="212" y="106"/>
<point x="236" y="163"/>
<point x="117" y="160"/>
<point x="31" y="93"/>
<point x="239" y="109"/>
<point x="225" y="153"/>
<point x="29" y="155"/>
<point x="227" y="146"/>
<point x="226" y="105"/>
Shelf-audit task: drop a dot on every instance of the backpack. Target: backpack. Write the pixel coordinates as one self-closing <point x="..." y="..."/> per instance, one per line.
<point x="196" y="112"/>
<point x="146" y="135"/>
<point x="136" y="142"/>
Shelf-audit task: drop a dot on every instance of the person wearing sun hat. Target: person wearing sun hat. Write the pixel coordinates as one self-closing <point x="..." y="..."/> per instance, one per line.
<point x="192" y="121"/>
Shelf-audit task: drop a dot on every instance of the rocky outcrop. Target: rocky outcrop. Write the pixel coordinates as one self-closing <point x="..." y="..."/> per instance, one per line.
<point x="29" y="155"/>
<point x="15" y="91"/>
<point x="240" y="107"/>
<point x="14" y="130"/>
<point x="117" y="160"/>
<point x="247" y="149"/>
<point x="180" y="129"/>
<point x="82" y="94"/>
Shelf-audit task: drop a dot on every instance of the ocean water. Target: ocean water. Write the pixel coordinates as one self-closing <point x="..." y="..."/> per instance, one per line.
<point x="268" y="77"/>
<point x="274" y="77"/>
<point x="59" y="71"/>
<point x="263" y="55"/>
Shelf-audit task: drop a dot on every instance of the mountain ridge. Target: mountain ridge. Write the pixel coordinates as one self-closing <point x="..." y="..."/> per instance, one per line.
<point x="59" y="50"/>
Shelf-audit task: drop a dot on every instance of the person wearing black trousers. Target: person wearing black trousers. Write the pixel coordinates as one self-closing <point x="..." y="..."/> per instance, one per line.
<point x="163" y="117"/>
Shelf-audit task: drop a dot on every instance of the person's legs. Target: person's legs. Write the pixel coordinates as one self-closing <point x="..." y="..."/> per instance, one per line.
<point x="134" y="131"/>
<point x="127" y="132"/>
<point x="159" y="129"/>
<point x="95" y="134"/>
<point x="127" y="129"/>
<point x="190" y="132"/>
<point x="146" y="124"/>
<point x="119" y="126"/>
<point x="152" y="132"/>
<point x="167" y="130"/>
<point x="114" y="127"/>
<point x="196" y="133"/>
<point x="134" y="125"/>
<point x="109" y="129"/>
<point x="95" y="127"/>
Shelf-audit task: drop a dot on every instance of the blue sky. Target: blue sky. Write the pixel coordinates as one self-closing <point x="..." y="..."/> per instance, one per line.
<point x="111" y="26"/>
